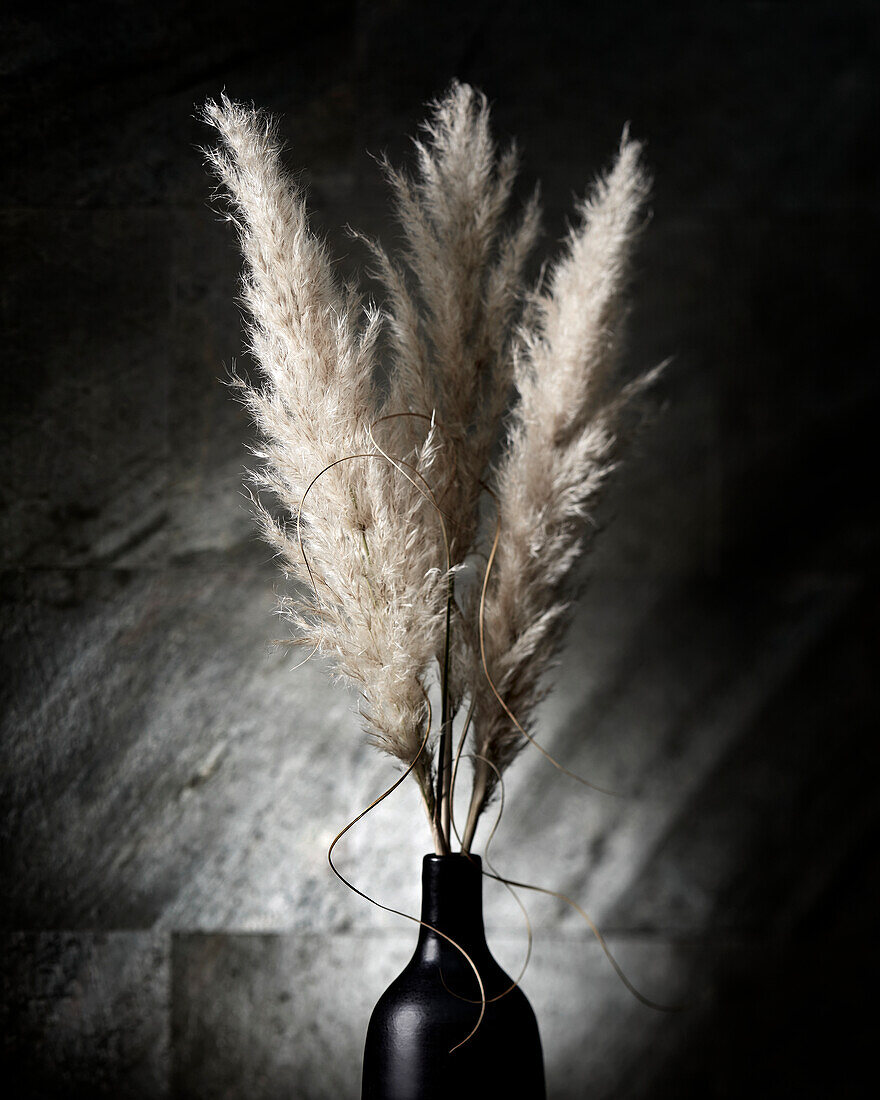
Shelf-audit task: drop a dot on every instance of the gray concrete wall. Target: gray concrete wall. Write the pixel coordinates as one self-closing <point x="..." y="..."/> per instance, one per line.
<point x="170" y="927"/>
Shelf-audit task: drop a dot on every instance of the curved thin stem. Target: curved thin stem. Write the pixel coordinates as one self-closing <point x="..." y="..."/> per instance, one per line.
<point x="398" y="912"/>
<point x="510" y="889"/>
<point x="479" y="791"/>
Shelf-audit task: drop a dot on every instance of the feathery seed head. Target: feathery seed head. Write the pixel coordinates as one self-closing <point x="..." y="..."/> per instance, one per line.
<point x="381" y="492"/>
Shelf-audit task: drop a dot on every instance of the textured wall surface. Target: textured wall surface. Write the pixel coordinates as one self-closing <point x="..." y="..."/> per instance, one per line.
<point x="169" y="924"/>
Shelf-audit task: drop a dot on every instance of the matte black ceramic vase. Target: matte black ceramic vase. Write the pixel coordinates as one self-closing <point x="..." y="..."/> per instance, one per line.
<point x="434" y="1004"/>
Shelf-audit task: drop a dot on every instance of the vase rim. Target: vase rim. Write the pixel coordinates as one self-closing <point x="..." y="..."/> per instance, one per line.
<point x="433" y="857"/>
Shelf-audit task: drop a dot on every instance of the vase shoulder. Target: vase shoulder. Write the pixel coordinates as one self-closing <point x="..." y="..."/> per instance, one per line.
<point x="434" y="1004"/>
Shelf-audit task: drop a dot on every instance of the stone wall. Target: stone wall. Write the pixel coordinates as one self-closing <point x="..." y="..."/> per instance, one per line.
<point x="170" y="926"/>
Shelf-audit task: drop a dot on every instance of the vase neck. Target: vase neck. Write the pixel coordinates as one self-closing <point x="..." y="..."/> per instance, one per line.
<point x="452" y="900"/>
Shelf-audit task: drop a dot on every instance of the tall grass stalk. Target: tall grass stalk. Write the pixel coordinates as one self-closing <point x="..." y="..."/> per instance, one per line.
<point x="378" y="489"/>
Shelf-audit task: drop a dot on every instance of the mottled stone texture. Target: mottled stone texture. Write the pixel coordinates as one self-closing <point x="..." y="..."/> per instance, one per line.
<point x="168" y="787"/>
<point x="85" y="1013"/>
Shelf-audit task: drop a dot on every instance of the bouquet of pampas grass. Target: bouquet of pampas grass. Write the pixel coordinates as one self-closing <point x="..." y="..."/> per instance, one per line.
<point x="429" y="558"/>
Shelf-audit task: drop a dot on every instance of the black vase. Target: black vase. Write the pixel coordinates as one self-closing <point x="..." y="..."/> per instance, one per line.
<point x="433" y="1005"/>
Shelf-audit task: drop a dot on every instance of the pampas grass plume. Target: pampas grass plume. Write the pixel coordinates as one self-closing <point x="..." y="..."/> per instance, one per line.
<point x="379" y="489"/>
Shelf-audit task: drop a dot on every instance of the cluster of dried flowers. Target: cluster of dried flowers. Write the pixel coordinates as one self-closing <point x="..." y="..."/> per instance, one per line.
<point x="381" y="484"/>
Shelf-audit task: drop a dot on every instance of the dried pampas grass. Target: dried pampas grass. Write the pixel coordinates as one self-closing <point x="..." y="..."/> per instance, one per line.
<point x="380" y="489"/>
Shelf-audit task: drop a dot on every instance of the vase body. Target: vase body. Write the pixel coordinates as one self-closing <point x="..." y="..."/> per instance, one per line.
<point x="435" y="1002"/>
